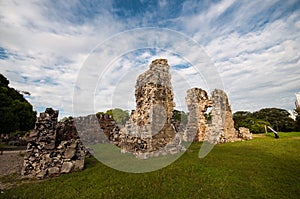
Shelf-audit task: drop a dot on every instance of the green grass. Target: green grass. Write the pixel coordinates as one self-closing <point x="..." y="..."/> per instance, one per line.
<point x="110" y="155"/>
<point x="261" y="168"/>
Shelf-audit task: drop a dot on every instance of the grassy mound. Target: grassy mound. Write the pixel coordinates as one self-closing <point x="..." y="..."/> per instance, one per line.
<point x="262" y="168"/>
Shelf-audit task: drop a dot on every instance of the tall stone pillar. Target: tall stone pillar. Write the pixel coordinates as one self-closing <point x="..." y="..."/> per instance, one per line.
<point x="197" y="102"/>
<point x="154" y="104"/>
<point x="222" y="126"/>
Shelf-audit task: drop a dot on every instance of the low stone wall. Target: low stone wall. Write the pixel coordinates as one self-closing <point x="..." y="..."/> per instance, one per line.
<point x="140" y="147"/>
<point x="53" y="147"/>
<point x="94" y="129"/>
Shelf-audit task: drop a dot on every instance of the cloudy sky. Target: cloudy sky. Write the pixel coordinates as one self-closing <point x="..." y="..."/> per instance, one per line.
<point x="251" y="47"/>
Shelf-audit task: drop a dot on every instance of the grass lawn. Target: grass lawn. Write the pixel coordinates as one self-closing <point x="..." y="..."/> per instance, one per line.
<point x="264" y="167"/>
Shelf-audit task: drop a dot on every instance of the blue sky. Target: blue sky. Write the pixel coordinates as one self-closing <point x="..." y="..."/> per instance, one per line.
<point x="253" y="45"/>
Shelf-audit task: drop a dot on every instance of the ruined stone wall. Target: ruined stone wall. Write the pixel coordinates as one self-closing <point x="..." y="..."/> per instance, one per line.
<point x="197" y="102"/>
<point x="53" y="147"/>
<point x="95" y="129"/>
<point x="143" y="148"/>
<point x="154" y="106"/>
<point x="149" y="131"/>
<point x="221" y="128"/>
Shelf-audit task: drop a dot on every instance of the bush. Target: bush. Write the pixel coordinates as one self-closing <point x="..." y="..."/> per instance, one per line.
<point x="297" y="126"/>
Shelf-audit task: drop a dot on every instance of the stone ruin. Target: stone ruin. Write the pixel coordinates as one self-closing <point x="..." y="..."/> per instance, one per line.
<point x="53" y="147"/>
<point x="244" y="133"/>
<point x="149" y="131"/>
<point x="154" y="105"/>
<point x="197" y="102"/>
<point x="221" y="127"/>
<point x="95" y="129"/>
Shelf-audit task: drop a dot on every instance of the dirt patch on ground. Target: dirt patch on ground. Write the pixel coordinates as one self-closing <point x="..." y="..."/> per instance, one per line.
<point x="11" y="162"/>
<point x="295" y="138"/>
<point x="10" y="165"/>
<point x="258" y="135"/>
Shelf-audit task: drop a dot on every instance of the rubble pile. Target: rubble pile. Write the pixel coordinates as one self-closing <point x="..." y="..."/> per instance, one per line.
<point x="244" y="134"/>
<point x="53" y="147"/>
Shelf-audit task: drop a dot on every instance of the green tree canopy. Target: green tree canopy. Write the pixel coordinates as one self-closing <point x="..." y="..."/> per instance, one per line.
<point x="297" y="125"/>
<point x="16" y="113"/>
<point x="119" y="115"/>
<point x="3" y="81"/>
<point x="254" y="125"/>
<point x="278" y="118"/>
<point x="179" y="117"/>
<point x="240" y="116"/>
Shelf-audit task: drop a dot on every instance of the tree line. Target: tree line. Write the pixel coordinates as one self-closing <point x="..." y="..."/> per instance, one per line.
<point x="257" y="121"/>
<point x="276" y="118"/>
<point x="16" y="113"/>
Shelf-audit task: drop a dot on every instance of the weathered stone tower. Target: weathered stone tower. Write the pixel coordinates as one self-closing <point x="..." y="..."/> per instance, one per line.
<point x="149" y="131"/>
<point x="154" y="104"/>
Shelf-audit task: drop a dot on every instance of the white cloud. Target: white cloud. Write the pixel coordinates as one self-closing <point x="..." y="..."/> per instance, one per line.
<point x="41" y="49"/>
<point x="261" y="67"/>
<point x="47" y="45"/>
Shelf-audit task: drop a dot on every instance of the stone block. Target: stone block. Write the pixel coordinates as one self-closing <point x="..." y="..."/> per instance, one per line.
<point x="53" y="170"/>
<point x="66" y="167"/>
<point x="79" y="165"/>
<point x="69" y="153"/>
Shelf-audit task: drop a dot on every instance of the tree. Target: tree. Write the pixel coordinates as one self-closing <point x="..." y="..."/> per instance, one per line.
<point x="179" y="117"/>
<point x="297" y="125"/>
<point x="3" y="81"/>
<point x="119" y="115"/>
<point x="297" y="122"/>
<point x="278" y="118"/>
<point x="240" y="116"/>
<point x="8" y="121"/>
<point x="26" y="117"/>
<point x="16" y="113"/>
<point x="254" y="125"/>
